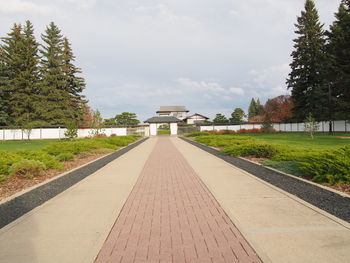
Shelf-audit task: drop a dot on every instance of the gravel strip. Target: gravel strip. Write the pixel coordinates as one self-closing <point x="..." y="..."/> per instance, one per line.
<point x="22" y="204"/>
<point x="328" y="201"/>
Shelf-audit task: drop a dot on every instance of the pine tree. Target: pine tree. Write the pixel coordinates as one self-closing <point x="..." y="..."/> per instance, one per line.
<point x="259" y="107"/>
<point x="339" y="51"/>
<point x="21" y="62"/>
<point x="54" y="95"/>
<point x="252" y="110"/>
<point x="307" y="78"/>
<point x="74" y="84"/>
<point x="237" y="115"/>
<point x="4" y="82"/>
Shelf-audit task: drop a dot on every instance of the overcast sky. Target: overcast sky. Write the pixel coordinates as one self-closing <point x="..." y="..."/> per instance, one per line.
<point x="209" y="55"/>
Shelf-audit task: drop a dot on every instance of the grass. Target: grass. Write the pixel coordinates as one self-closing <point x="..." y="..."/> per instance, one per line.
<point x="24" y="145"/>
<point x="163" y="132"/>
<point x="324" y="159"/>
<point x="303" y="140"/>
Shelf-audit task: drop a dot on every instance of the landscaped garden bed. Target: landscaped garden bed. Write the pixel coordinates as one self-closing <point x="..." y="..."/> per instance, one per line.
<point x="20" y="169"/>
<point x="324" y="159"/>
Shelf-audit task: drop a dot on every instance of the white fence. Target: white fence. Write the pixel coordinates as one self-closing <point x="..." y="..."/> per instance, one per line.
<point x="338" y="126"/>
<point x="54" y="133"/>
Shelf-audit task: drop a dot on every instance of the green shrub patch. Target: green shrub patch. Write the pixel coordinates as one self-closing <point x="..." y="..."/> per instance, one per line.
<point x="326" y="165"/>
<point x="27" y="168"/>
<point x="31" y="163"/>
<point x="259" y="150"/>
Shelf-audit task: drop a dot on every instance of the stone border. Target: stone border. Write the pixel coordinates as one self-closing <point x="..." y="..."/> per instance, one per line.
<point x="324" y="199"/>
<point x="28" y="200"/>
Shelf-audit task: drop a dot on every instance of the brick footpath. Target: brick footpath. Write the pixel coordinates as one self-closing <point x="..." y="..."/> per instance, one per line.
<point x="170" y="216"/>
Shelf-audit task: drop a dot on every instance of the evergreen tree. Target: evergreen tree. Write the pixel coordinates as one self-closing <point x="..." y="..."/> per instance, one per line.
<point x="220" y="118"/>
<point x="307" y="78"/>
<point x="237" y="115"/>
<point x="252" y="110"/>
<point x="127" y="118"/>
<point x="74" y="84"/>
<point x="21" y="62"/>
<point x="259" y="107"/>
<point x="55" y="98"/>
<point x="339" y="70"/>
<point x="3" y="84"/>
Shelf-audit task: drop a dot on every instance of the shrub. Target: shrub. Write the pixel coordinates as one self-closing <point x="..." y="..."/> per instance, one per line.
<point x="6" y="160"/>
<point x="27" y="168"/>
<point x="65" y="156"/>
<point x="196" y="134"/>
<point x="49" y="161"/>
<point x="113" y="135"/>
<point x="2" y="178"/>
<point x="72" y="131"/>
<point x="259" y="150"/>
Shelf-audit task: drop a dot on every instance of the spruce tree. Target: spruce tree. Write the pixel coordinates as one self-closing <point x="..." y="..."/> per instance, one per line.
<point x="54" y="95"/>
<point x="21" y="63"/>
<point x="252" y="110"/>
<point x="4" y="82"/>
<point x="307" y="79"/>
<point x="259" y="107"/>
<point x="74" y="84"/>
<point x="339" y="70"/>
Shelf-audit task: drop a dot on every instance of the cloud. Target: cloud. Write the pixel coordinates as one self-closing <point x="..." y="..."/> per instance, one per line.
<point x="25" y="7"/>
<point x="201" y="85"/>
<point x="81" y="3"/>
<point x="237" y="91"/>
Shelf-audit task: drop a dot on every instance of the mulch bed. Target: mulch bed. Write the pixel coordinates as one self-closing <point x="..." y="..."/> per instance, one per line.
<point x="16" y="184"/>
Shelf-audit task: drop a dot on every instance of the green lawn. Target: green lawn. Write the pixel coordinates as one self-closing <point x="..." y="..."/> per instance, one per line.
<point x="324" y="159"/>
<point x="24" y="145"/>
<point x="302" y="140"/>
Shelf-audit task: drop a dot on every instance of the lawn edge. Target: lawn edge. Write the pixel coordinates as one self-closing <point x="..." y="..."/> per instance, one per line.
<point x="8" y="206"/>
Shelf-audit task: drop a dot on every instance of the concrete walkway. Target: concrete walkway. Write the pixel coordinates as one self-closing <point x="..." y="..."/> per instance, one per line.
<point x="153" y="205"/>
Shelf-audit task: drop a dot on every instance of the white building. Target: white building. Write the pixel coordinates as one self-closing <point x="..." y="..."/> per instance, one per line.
<point x="179" y="112"/>
<point x="196" y="119"/>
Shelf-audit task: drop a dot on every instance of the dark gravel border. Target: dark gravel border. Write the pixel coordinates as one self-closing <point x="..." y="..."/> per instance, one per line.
<point x="328" y="201"/>
<point x="15" y="208"/>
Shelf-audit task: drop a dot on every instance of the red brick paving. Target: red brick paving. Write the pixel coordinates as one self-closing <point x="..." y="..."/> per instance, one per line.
<point x="170" y="216"/>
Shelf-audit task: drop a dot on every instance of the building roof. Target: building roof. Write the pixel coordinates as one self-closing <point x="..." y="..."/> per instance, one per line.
<point x="172" y="108"/>
<point x="163" y="119"/>
<point x="197" y="114"/>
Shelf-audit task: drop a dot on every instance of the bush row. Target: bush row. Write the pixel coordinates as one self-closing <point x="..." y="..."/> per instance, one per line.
<point x="331" y="166"/>
<point x="30" y="163"/>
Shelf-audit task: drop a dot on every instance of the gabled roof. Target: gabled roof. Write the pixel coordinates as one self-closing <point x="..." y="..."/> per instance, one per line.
<point x="172" y="108"/>
<point x="163" y="119"/>
<point x="197" y="114"/>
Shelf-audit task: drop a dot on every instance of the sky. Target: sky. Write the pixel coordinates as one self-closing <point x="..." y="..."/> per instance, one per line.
<point x="208" y="55"/>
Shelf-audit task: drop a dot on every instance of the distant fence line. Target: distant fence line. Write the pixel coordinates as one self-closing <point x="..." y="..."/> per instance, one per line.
<point x="58" y="133"/>
<point x="337" y="126"/>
